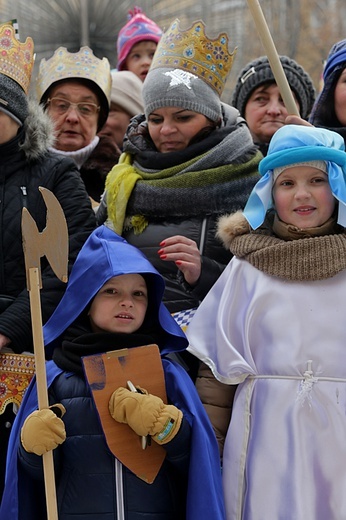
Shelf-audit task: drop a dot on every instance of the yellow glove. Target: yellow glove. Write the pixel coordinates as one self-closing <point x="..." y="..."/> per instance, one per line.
<point x="43" y="430"/>
<point x="146" y="414"/>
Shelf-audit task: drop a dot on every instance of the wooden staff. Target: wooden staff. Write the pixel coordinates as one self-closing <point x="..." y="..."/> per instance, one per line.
<point x="52" y="243"/>
<point x="273" y="57"/>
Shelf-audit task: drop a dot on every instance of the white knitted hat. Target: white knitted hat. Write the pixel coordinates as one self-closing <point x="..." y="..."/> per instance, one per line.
<point x="320" y="165"/>
<point x="127" y="91"/>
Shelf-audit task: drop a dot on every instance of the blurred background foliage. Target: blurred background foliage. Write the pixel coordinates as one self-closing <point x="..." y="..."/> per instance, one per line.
<point x="302" y="29"/>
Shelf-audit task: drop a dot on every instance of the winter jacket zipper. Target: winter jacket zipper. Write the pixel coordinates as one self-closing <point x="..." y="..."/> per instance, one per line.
<point x="24" y="196"/>
<point x="203" y="236"/>
<point x="119" y="490"/>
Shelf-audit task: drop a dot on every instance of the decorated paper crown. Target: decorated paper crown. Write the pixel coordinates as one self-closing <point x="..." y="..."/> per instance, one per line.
<point x="191" y="50"/>
<point x="14" y="24"/>
<point x="16" y="58"/>
<point x="74" y="65"/>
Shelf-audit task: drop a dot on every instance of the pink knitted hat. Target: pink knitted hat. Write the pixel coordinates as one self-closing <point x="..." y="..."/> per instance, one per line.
<point x="138" y="28"/>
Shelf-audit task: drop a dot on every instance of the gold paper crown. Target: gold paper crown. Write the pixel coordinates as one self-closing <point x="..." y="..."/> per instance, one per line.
<point x="73" y="65"/>
<point x="16" y="58"/>
<point x="193" y="51"/>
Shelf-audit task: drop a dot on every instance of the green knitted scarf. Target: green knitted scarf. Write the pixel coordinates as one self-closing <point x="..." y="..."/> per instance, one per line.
<point x="179" y="191"/>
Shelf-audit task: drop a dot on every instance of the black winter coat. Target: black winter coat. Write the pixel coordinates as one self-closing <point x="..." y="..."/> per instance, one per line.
<point x="25" y="164"/>
<point x="178" y="294"/>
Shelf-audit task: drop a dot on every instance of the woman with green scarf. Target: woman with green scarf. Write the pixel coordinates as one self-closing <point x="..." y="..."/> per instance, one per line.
<point x="188" y="160"/>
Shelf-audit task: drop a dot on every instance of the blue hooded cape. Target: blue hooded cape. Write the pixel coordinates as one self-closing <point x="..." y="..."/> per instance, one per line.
<point x="104" y="256"/>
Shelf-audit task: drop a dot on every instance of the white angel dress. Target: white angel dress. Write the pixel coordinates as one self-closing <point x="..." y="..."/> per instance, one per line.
<point x="284" y="344"/>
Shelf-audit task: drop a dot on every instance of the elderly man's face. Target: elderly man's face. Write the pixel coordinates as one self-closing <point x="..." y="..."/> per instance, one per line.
<point x="75" y="126"/>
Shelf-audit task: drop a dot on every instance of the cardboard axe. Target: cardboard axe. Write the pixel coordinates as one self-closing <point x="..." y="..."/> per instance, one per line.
<point x="52" y="242"/>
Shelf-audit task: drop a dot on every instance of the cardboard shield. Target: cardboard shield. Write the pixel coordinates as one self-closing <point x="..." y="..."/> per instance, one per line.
<point x="111" y="370"/>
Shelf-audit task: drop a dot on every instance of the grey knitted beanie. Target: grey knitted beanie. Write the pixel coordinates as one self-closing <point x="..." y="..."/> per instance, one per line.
<point x="258" y="72"/>
<point x="168" y="87"/>
<point x="13" y="100"/>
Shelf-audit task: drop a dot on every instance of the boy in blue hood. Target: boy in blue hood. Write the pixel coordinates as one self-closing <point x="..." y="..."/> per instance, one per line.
<point x="113" y="300"/>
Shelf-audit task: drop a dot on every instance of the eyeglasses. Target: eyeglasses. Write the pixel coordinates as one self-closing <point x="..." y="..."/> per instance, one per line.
<point x="61" y="106"/>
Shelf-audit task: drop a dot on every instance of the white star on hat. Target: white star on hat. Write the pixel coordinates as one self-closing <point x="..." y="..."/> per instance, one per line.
<point x="180" y="77"/>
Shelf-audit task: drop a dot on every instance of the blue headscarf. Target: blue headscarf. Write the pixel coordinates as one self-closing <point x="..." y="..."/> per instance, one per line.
<point x="293" y="144"/>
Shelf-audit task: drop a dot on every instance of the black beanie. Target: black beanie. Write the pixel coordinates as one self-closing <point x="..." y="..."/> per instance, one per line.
<point x="258" y="72"/>
<point x="13" y="100"/>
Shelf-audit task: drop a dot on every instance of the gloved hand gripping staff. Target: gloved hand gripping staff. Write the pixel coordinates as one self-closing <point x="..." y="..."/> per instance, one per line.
<point x="52" y="242"/>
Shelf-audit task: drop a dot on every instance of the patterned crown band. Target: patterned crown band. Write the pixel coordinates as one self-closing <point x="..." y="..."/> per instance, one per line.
<point x="73" y="65"/>
<point x="191" y="50"/>
<point x="16" y="58"/>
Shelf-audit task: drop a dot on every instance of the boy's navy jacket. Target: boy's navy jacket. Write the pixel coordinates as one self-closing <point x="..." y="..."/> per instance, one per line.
<point x="103" y="256"/>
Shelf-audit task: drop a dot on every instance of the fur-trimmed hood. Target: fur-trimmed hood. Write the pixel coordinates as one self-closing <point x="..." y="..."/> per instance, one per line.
<point x="39" y="132"/>
<point x="230" y="226"/>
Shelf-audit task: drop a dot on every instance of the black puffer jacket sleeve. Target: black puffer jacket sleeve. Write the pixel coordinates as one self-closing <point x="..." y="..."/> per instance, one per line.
<point x="61" y="177"/>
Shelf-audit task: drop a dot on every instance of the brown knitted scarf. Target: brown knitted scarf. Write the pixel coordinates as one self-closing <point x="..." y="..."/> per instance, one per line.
<point x="314" y="258"/>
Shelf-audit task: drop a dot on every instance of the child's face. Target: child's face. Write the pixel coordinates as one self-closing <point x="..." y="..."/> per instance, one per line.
<point x="140" y="57"/>
<point x="302" y="197"/>
<point x="120" y="305"/>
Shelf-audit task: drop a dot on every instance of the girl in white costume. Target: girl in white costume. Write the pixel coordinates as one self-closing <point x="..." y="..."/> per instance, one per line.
<point x="273" y="330"/>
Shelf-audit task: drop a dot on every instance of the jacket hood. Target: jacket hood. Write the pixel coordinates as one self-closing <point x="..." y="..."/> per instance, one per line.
<point x="39" y="132"/>
<point x="103" y="256"/>
<point x="230" y="115"/>
<point x="230" y="226"/>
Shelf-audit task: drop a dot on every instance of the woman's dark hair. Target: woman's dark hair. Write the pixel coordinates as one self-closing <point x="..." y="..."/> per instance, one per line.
<point x="205" y="132"/>
<point x="326" y="115"/>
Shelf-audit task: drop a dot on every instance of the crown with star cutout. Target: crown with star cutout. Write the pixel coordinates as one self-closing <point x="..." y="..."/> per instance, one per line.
<point x="192" y="51"/>
<point x="16" y="58"/>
